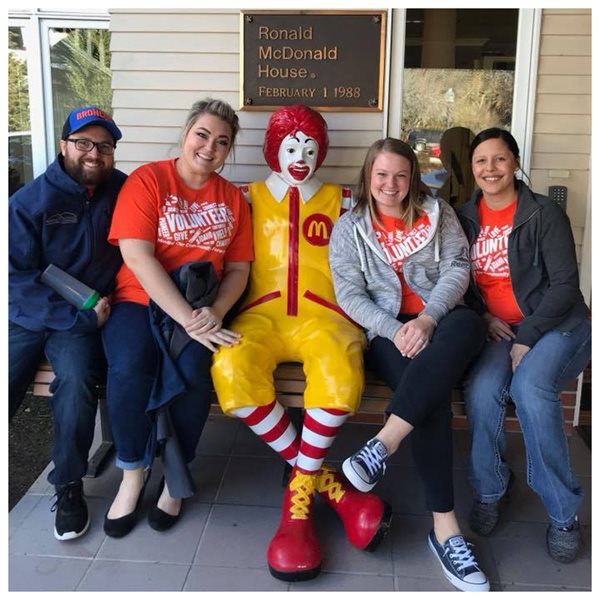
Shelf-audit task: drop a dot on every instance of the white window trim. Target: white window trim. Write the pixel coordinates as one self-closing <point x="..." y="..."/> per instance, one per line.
<point x="526" y="67"/>
<point x="36" y="103"/>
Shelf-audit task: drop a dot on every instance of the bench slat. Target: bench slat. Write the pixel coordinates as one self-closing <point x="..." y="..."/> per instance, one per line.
<point x="289" y="385"/>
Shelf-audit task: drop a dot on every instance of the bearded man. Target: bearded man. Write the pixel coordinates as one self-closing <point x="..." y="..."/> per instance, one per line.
<point x="62" y="218"/>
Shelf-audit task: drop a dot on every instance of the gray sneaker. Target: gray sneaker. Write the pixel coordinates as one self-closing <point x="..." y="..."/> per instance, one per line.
<point x="563" y="543"/>
<point x="485" y="515"/>
<point x="367" y="466"/>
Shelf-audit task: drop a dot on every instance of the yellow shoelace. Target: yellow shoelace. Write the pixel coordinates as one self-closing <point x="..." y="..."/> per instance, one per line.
<point x="304" y="487"/>
<point x="327" y="483"/>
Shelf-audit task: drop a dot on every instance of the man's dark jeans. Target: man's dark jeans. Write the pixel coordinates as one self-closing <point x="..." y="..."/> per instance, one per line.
<point x="79" y="365"/>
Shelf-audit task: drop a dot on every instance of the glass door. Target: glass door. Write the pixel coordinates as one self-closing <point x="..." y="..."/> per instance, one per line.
<point x="79" y="74"/>
<point x="20" y="167"/>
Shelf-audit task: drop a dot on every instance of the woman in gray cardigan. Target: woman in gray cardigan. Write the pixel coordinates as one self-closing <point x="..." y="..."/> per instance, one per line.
<point x="400" y="269"/>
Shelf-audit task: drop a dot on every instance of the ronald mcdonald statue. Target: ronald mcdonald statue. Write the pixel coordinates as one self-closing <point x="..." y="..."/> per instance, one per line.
<point x="290" y="314"/>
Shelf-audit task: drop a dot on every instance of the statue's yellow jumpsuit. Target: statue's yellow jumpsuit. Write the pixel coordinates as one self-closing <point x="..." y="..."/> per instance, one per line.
<point x="290" y="313"/>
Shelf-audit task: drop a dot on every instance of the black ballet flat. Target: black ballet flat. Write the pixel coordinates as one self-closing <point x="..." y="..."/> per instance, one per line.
<point x="158" y="519"/>
<point x="120" y="527"/>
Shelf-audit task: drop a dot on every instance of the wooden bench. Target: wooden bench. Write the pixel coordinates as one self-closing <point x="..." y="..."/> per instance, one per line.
<point x="289" y="387"/>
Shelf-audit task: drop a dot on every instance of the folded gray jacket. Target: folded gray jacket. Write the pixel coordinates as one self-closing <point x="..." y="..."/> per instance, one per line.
<point x="368" y="289"/>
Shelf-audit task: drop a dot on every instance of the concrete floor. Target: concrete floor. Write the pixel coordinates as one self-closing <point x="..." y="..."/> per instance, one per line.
<point x="221" y="540"/>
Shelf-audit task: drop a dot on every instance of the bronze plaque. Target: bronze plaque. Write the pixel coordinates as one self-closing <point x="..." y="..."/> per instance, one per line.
<point x="330" y="60"/>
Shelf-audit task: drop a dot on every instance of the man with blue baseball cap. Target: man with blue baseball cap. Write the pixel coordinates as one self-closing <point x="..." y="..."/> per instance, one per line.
<point x="62" y="217"/>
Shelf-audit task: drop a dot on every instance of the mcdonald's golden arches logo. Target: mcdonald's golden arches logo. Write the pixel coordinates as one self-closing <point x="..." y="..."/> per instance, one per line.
<point x="317" y="229"/>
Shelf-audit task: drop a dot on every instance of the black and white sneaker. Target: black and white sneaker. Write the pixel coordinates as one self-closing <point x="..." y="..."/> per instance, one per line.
<point x="367" y="466"/>
<point x="72" y="519"/>
<point x="459" y="564"/>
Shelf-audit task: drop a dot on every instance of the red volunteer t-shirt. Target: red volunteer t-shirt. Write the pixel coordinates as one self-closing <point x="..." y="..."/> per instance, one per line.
<point x="489" y="260"/>
<point x="397" y="244"/>
<point x="210" y="223"/>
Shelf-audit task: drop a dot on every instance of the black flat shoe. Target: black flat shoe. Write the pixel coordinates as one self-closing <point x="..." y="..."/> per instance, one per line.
<point x="158" y="519"/>
<point x="121" y="526"/>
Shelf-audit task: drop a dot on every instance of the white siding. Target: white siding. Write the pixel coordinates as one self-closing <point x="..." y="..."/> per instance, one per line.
<point x="563" y="112"/>
<point x="164" y="60"/>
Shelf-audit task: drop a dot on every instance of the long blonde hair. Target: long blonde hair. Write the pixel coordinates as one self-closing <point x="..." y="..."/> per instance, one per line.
<point x="411" y="205"/>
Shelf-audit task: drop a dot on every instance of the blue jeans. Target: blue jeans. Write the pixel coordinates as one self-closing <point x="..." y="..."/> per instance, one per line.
<point x="79" y="365"/>
<point x="132" y="357"/>
<point x="534" y="388"/>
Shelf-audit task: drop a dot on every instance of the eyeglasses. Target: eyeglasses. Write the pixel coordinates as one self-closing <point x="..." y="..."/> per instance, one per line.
<point x="84" y="145"/>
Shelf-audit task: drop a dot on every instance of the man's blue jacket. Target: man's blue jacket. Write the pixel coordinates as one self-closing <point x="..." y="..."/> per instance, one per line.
<point x="53" y="220"/>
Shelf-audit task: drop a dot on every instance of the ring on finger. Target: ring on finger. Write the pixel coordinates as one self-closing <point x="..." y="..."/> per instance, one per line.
<point x="212" y="323"/>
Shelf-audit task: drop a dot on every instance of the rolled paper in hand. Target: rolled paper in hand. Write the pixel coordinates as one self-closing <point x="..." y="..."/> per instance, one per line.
<point x="71" y="289"/>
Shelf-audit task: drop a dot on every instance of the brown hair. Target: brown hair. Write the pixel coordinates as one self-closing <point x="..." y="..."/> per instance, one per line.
<point x="414" y="199"/>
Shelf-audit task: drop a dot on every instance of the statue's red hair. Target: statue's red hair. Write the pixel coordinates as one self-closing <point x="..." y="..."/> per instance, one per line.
<point x="289" y="120"/>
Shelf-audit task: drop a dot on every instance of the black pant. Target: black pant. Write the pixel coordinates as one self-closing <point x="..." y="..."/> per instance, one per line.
<point x="422" y="394"/>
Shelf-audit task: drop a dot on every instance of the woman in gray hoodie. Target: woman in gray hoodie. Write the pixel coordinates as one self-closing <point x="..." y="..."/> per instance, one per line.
<point x="400" y="268"/>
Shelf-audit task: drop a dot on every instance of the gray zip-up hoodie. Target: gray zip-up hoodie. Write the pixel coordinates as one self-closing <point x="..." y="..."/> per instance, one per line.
<point x="368" y="289"/>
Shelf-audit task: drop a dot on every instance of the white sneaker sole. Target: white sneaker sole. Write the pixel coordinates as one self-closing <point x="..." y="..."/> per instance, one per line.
<point x="354" y="479"/>
<point x="71" y="535"/>
<point x="460" y="584"/>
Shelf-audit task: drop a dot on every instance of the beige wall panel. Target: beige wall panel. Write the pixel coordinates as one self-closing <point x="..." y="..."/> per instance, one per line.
<point x="567" y="11"/>
<point x="566" y="45"/>
<point x="143" y="153"/>
<point x="166" y="99"/>
<point x="150" y="134"/>
<point x="182" y="61"/>
<point x="179" y="11"/>
<point x="562" y="143"/>
<point x="566" y="24"/>
<point x="145" y="117"/>
<point x="564" y="104"/>
<point x="558" y="84"/>
<point x="576" y="162"/>
<point x="144" y="80"/>
<point x="565" y="65"/>
<point x="576" y="183"/>
<point x="175" y="42"/>
<point x="569" y="124"/>
<point x="180" y="22"/>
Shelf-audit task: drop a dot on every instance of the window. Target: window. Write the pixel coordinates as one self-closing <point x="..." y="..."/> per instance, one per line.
<point x="20" y="168"/>
<point x="458" y="78"/>
<point x="55" y="63"/>
<point x="80" y="71"/>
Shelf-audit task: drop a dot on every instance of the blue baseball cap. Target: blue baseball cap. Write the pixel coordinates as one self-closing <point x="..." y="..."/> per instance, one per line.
<point x="90" y="115"/>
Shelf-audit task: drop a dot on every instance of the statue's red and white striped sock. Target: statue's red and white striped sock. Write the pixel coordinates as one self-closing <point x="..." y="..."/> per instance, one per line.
<point x="272" y="424"/>
<point x="318" y="432"/>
